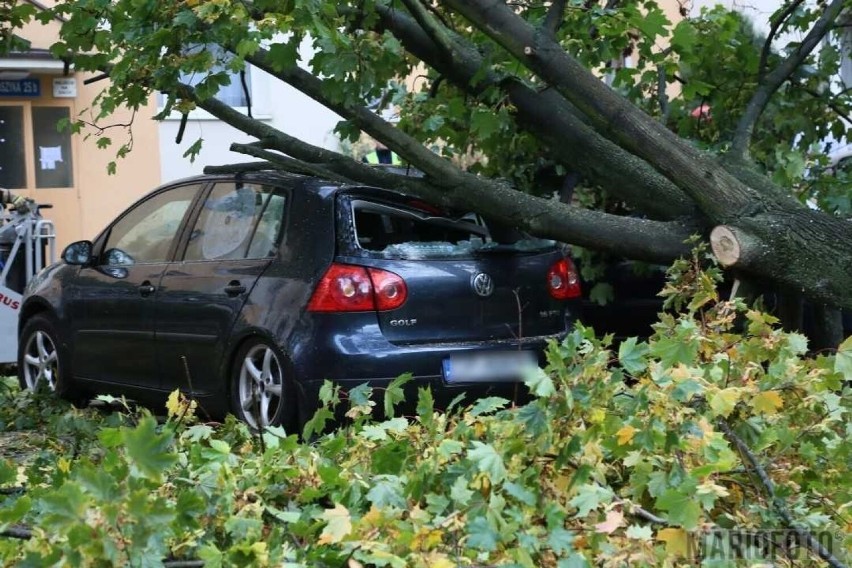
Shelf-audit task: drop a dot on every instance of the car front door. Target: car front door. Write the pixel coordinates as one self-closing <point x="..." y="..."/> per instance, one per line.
<point x="233" y="239"/>
<point x="112" y="305"/>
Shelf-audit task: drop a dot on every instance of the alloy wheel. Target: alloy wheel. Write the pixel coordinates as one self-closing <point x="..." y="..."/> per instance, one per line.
<point x="41" y="361"/>
<point x="260" y="386"/>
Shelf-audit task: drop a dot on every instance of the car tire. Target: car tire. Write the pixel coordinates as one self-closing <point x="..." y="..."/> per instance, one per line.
<point x="261" y="386"/>
<point x="44" y="362"/>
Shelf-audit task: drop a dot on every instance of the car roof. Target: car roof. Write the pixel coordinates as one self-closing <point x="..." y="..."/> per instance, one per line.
<point x="325" y="189"/>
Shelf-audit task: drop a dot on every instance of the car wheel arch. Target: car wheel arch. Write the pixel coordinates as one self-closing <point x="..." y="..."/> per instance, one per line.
<point x="259" y="337"/>
<point x="237" y="344"/>
<point x="33" y="307"/>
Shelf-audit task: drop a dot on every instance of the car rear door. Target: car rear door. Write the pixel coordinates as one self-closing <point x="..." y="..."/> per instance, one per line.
<point x="462" y="284"/>
<point x="112" y="303"/>
<point x="233" y="239"/>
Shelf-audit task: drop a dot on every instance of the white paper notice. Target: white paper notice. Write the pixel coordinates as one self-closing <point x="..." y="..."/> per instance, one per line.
<point x="48" y="156"/>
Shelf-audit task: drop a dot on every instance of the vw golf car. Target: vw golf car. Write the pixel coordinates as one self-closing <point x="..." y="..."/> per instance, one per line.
<point x="249" y="291"/>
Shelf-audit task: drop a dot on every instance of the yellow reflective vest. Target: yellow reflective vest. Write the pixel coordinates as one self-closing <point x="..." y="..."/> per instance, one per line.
<point x="373" y="158"/>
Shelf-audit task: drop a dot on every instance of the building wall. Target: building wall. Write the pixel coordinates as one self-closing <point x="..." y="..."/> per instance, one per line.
<point x="94" y="197"/>
<point x="273" y="101"/>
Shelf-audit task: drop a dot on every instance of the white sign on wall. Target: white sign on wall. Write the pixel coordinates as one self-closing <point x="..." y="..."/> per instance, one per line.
<point x="64" y="87"/>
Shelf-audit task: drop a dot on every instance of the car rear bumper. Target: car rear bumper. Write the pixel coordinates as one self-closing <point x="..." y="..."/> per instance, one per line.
<point x="352" y="359"/>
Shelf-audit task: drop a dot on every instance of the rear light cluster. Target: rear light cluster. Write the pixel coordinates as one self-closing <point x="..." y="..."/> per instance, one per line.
<point x="563" y="282"/>
<point x="349" y="288"/>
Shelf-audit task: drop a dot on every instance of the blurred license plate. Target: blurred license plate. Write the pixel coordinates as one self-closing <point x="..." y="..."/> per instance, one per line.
<point x="488" y="366"/>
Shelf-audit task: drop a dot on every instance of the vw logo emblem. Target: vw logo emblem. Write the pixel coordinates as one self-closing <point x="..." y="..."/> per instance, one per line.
<point x="483" y="285"/>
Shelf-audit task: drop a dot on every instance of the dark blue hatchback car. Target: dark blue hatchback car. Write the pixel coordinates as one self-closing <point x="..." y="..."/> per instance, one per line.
<point x="249" y="291"/>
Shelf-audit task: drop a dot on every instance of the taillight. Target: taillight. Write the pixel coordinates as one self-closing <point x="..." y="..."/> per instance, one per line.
<point x="389" y="288"/>
<point x="563" y="282"/>
<point x="348" y="288"/>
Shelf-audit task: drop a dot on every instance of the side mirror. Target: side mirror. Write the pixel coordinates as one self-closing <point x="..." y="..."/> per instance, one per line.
<point x="78" y="254"/>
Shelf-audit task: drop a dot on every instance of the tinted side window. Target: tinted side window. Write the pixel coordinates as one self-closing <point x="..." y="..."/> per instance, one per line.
<point x="145" y="234"/>
<point x="238" y="220"/>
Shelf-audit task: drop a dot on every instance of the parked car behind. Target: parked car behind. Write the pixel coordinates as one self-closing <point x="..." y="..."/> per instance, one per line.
<point x="248" y="291"/>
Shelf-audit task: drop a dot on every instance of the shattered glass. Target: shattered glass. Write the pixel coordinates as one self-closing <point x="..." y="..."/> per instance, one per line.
<point x="462" y="249"/>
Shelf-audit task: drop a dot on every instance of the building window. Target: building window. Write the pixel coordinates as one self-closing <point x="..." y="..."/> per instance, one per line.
<point x="51" y="147"/>
<point x="232" y="94"/>
<point x="13" y="171"/>
<point x="48" y="164"/>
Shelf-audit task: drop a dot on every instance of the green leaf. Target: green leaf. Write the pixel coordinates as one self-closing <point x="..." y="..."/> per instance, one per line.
<point x="101" y="484"/>
<point x="589" y="497"/>
<point x="534" y="418"/>
<point x="374" y="432"/>
<point x="843" y="359"/>
<point x="460" y="493"/>
<point x="149" y="451"/>
<point x="520" y="493"/>
<point x="488" y="405"/>
<point x="684" y="36"/>
<point x="212" y="556"/>
<point x="360" y="395"/>
<point x="15" y="513"/>
<point x="683" y="508"/>
<point x="653" y="23"/>
<point x="316" y="425"/>
<point x="194" y="149"/>
<point x="488" y="461"/>
<point x="632" y="355"/>
<point x="674" y="350"/>
<point x="66" y="506"/>
<point x="576" y="560"/>
<point x="425" y="405"/>
<point x="481" y="535"/>
<point x="560" y="541"/>
<point x="485" y="122"/>
<point x="394" y="393"/>
<point x="638" y="532"/>
<point x="602" y="293"/>
<point x="686" y="389"/>
<point x="539" y="382"/>
<point x="723" y="402"/>
<point x="387" y="491"/>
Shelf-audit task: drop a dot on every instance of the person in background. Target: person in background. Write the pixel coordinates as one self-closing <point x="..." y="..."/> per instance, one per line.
<point x="382" y="155"/>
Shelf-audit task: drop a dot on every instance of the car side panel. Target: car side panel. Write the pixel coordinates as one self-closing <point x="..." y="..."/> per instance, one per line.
<point x="194" y="317"/>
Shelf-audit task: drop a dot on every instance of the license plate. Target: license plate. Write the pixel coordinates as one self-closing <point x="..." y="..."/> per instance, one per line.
<point x="488" y="366"/>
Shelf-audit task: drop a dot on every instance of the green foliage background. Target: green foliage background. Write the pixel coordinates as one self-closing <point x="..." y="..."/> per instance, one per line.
<point x="622" y="457"/>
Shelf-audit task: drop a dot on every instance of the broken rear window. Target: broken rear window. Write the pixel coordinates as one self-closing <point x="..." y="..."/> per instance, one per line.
<point x="403" y="233"/>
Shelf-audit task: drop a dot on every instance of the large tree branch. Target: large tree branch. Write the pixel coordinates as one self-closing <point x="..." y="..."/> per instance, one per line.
<point x="719" y="195"/>
<point x="554" y="17"/>
<point x="436" y="31"/>
<point x="551" y="118"/>
<point x="626" y="236"/>
<point x="770" y="37"/>
<point x="778" y="76"/>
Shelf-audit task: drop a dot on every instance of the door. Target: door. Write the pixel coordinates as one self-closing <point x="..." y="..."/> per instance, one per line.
<point x="232" y="241"/>
<point x="112" y="306"/>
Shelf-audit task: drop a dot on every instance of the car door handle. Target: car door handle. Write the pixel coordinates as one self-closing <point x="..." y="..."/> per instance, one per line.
<point x="234" y="288"/>
<point x="146" y="289"/>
